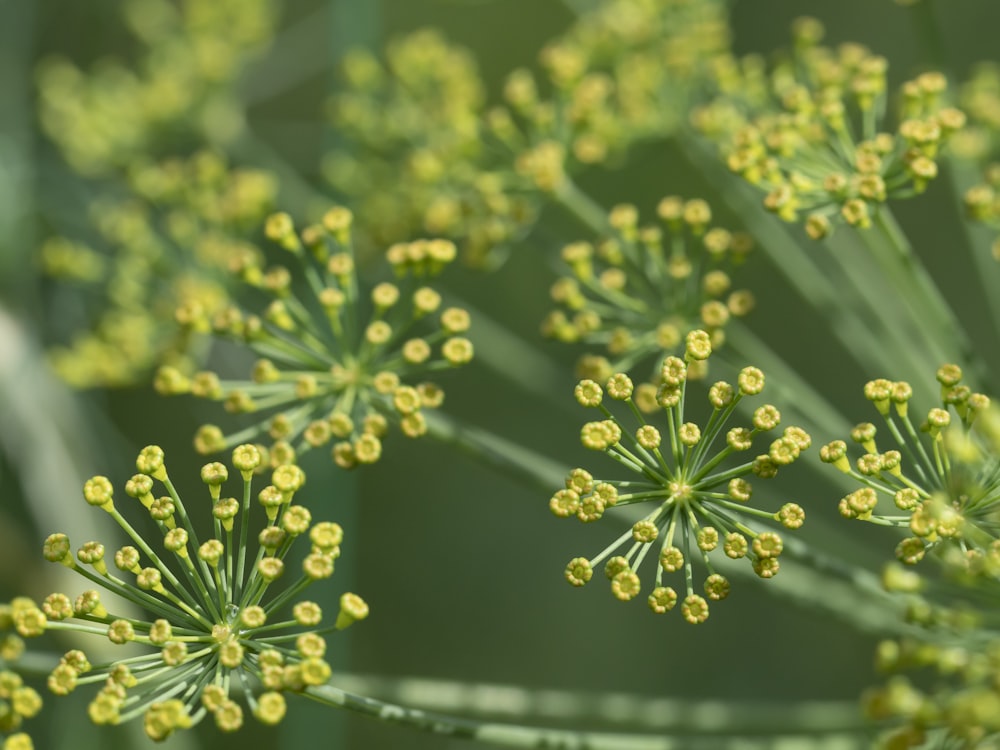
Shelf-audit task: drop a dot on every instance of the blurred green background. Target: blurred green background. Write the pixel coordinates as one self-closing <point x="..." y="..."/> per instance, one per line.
<point x="462" y="566"/>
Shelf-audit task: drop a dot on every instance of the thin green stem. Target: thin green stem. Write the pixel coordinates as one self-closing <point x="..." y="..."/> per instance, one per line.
<point x="588" y="211"/>
<point x="978" y="239"/>
<point x="795" y="262"/>
<point x="914" y="284"/>
<point x="515" y="359"/>
<point x="515" y="735"/>
<point x="638" y="712"/>
<point x="499" y="453"/>
<point x="239" y="581"/>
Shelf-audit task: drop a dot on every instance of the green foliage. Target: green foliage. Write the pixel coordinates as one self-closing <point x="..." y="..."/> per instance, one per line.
<point x="439" y="188"/>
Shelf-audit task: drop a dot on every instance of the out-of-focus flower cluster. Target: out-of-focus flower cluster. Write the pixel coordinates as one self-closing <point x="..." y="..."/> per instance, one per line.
<point x="18" y="701"/>
<point x="414" y="160"/>
<point x="943" y="690"/>
<point x="700" y="498"/>
<point x="624" y="71"/>
<point x="812" y="131"/>
<point x="179" y="91"/>
<point x="640" y="291"/>
<point x="150" y="136"/>
<point x="157" y="258"/>
<point x="980" y="143"/>
<point x="220" y="626"/>
<point x="340" y="361"/>
<point x="478" y="173"/>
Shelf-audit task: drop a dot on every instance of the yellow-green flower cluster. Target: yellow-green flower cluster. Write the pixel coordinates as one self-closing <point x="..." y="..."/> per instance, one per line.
<point x="18" y="701"/>
<point x="220" y="626"/>
<point x="416" y="161"/>
<point x="160" y="263"/>
<point x="426" y="154"/>
<point x="958" y="708"/>
<point x="640" y="291"/>
<point x="942" y="474"/>
<point x="700" y="497"/>
<point x="624" y="71"/>
<point x="980" y="143"/>
<point x="339" y="362"/>
<point x="180" y="87"/>
<point x="813" y="133"/>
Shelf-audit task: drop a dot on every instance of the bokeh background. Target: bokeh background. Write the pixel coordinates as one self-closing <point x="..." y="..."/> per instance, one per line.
<point x="461" y="565"/>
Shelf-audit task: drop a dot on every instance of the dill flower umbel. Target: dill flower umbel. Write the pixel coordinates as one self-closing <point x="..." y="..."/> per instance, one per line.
<point x="942" y="474"/>
<point x="958" y="708"/>
<point x="339" y="362"/>
<point x="181" y="87"/>
<point x="640" y="291"/>
<point x="416" y="160"/>
<point x="426" y="153"/>
<point x="220" y="626"/>
<point x="18" y="701"/>
<point x="812" y="132"/>
<point x="624" y="71"/>
<point x="163" y="248"/>
<point x="700" y="502"/>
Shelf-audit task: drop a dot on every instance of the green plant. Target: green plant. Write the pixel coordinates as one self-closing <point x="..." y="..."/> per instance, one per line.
<point x="417" y="250"/>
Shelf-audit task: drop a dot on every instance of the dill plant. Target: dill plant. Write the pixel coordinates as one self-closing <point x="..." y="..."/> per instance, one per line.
<point x="442" y="183"/>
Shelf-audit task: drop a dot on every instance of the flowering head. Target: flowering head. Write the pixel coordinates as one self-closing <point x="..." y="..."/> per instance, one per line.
<point x="979" y="143"/>
<point x="957" y="707"/>
<point x="179" y="89"/>
<point x="340" y="361"/>
<point x="624" y="71"/>
<point x="158" y="273"/>
<point x="640" y="291"/>
<point x="698" y="490"/>
<point x="812" y="132"/>
<point x="18" y="701"/>
<point x="427" y="155"/>
<point x="416" y="161"/>
<point x="222" y="630"/>
<point x="940" y="473"/>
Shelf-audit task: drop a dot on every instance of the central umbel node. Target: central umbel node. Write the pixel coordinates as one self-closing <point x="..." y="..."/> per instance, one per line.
<point x="680" y="491"/>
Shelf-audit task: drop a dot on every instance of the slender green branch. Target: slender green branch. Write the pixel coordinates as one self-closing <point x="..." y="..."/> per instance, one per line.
<point x="826" y="584"/>
<point x="515" y="735"/>
<point x="588" y="211"/>
<point x="793" y="260"/>
<point x="913" y="283"/>
<point x="978" y="238"/>
<point x="929" y="33"/>
<point x="515" y="359"/>
<point x="813" y="409"/>
<point x="284" y="66"/>
<point x="499" y="453"/>
<point x="638" y="712"/>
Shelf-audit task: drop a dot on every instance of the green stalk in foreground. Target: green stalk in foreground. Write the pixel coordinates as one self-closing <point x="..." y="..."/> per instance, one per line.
<point x="514" y="735"/>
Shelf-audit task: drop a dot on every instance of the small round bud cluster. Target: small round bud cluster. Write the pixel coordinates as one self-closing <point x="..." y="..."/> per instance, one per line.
<point x="811" y="133"/>
<point x="19" y="618"/>
<point x="328" y="377"/>
<point x="932" y="478"/>
<point x="216" y="608"/>
<point x="699" y="498"/>
<point x="640" y="291"/>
